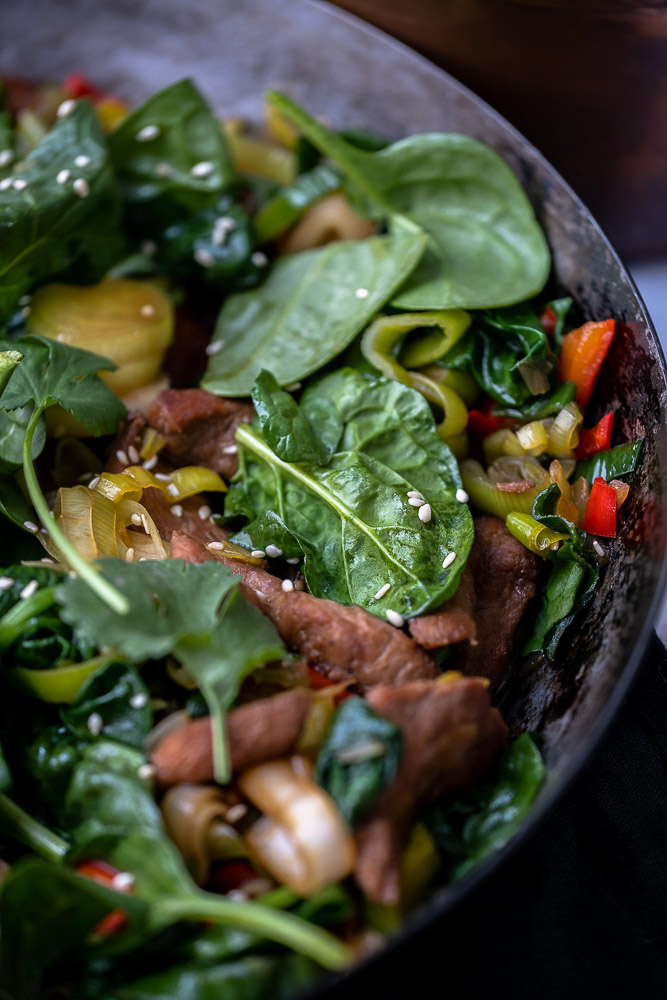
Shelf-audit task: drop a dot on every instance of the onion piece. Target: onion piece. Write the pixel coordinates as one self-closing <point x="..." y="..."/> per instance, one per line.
<point x="564" y="431"/>
<point x="194" y="818"/>
<point x="187" y="481"/>
<point x="328" y="220"/>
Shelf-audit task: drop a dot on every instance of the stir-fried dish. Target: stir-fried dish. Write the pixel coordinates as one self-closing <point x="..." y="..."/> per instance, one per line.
<point x="300" y="455"/>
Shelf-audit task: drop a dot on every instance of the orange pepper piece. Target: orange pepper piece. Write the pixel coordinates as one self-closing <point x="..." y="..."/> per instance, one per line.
<point x="582" y="353"/>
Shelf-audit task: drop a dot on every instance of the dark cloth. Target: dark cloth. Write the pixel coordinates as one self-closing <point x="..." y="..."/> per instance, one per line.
<point x="581" y="910"/>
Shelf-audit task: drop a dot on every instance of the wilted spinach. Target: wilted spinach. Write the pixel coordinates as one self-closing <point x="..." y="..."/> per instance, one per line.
<point x="118" y="695"/>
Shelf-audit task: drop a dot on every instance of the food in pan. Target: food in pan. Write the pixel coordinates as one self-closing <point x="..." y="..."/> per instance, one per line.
<point x="299" y="456"/>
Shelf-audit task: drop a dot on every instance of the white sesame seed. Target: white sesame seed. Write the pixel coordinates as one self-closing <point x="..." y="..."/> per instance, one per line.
<point x="25" y="312"/>
<point x="139" y="700"/>
<point x="235" y="813"/>
<point x="133" y="455"/>
<point x="204" y="512"/>
<point x="19" y="184"/>
<point x="93" y="482"/>
<point x="63" y="176"/>
<point x="231" y="449"/>
<point x="29" y="589"/>
<point x="148" y="247"/>
<point x="145" y="525"/>
<point x="173" y="490"/>
<point x="215" y="546"/>
<point x="6" y="157"/>
<point x="95" y="723"/>
<point x="147" y="133"/>
<point x="148" y="310"/>
<point x="259" y="259"/>
<point x="177" y="510"/>
<point x="273" y="551"/>
<point x="30" y="526"/>
<point x="416" y="494"/>
<point x="162" y="477"/>
<point x="462" y="496"/>
<point x="81" y="160"/>
<point x="598" y="548"/>
<point x="136" y="519"/>
<point x="425" y="513"/>
<point x="203" y="169"/>
<point x="81" y="187"/>
<point x="6" y="183"/>
<point x="382" y="591"/>
<point x="150" y="463"/>
<point x="122" y="456"/>
<point x="204" y="257"/>
<point x="287" y="586"/>
<point x="293" y="387"/>
<point x="222" y="227"/>
<point x="237" y="896"/>
<point x="48" y="561"/>
<point x="6" y="583"/>
<point x="448" y="560"/>
<point x="66" y="108"/>
<point x="258" y="553"/>
<point x="394" y="618"/>
<point x="146" y="772"/>
<point x="162" y="170"/>
<point x="294" y="561"/>
<point x="24" y="300"/>
<point x="129" y="555"/>
<point x="216" y="346"/>
<point x="362" y="293"/>
<point x="416" y="501"/>
<point x="122" y="882"/>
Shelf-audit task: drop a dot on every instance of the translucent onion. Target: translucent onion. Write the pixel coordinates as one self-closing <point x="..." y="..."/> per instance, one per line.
<point x="318" y="718"/>
<point x="500" y="500"/>
<point x="535" y="536"/>
<point x="332" y="218"/>
<point x="564" y="430"/>
<point x="533" y="438"/>
<point x="251" y="155"/>
<point x="194" y="818"/>
<point x="622" y="490"/>
<point x="501" y="442"/>
<point x="152" y="443"/>
<point x="181" y="483"/>
<point x="581" y="491"/>
<point x="535" y="374"/>
<point x="98" y="527"/>
<point x="565" y="507"/>
<point x="301" y="839"/>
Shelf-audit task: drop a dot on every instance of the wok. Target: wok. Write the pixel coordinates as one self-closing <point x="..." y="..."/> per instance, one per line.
<point x="356" y="76"/>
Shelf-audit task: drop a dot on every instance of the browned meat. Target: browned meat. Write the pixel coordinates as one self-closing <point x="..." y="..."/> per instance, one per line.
<point x="450" y="736"/>
<point x="257" y="731"/>
<point x="128" y="438"/>
<point x="344" y="643"/>
<point x="451" y="622"/>
<point x="199" y="428"/>
<point x="505" y="573"/>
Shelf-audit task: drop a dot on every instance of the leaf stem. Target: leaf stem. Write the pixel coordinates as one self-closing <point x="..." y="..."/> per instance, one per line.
<point x="108" y="593"/>
<point x="15" y="822"/>
<point x="12" y="624"/>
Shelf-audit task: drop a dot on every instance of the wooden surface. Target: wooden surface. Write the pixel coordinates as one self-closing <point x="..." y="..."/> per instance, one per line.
<point x="585" y="81"/>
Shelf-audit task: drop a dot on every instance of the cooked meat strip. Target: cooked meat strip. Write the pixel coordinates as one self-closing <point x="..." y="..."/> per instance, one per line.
<point x="452" y="622"/>
<point x="450" y="736"/>
<point x="129" y="436"/>
<point x="257" y="731"/>
<point x="345" y="643"/>
<point x="505" y="573"/>
<point x="199" y="428"/>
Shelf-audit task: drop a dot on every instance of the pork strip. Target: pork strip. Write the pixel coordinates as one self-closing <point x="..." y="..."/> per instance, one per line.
<point x="344" y="642"/>
<point x="452" y="622"/>
<point x="450" y="736"/>
<point x="258" y="731"/>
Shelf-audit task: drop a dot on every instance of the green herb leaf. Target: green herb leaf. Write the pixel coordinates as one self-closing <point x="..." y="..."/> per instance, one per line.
<point x="307" y="311"/>
<point x="118" y="695"/>
<point x="485" y="245"/>
<point x="359" y="757"/>
<point x="611" y="464"/>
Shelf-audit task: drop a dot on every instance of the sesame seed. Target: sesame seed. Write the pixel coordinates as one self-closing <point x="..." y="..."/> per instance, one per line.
<point x="148" y="310"/>
<point x="95" y="723"/>
<point x="237" y="896"/>
<point x="216" y="346"/>
<point x="93" y="482"/>
<point x="162" y="477"/>
<point x="6" y="583"/>
<point x="598" y="548"/>
<point x="382" y="591"/>
<point x="222" y="227"/>
<point x="29" y="589"/>
<point x="19" y="184"/>
<point x="139" y="700"/>
<point x="150" y="463"/>
<point x="259" y="259"/>
<point x="6" y="183"/>
<point x="146" y="772"/>
<point x="48" y="561"/>
<point x="173" y="490"/>
<point x="462" y="496"/>
<point x="425" y="513"/>
<point x="258" y="553"/>
<point x="66" y="108"/>
<point x="24" y="300"/>
<point x="147" y="133"/>
<point x="133" y="455"/>
<point x="204" y="257"/>
<point x="148" y="246"/>
<point x="293" y="387"/>
<point x="136" y="519"/>
<point x="122" y="456"/>
<point x="6" y="157"/>
<point x="416" y="501"/>
<point x="203" y="169"/>
<point x="204" y="512"/>
<point x="235" y="813"/>
<point x="145" y="524"/>
<point x="231" y="449"/>
<point x="129" y="555"/>
<point x="30" y="526"/>
<point x="287" y="586"/>
<point x="448" y="560"/>
<point x="416" y="494"/>
<point x="362" y="293"/>
<point x="81" y="187"/>
<point x="294" y="561"/>
<point x="122" y="882"/>
<point x="63" y="176"/>
<point x="273" y="551"/>
<point x="162" y="170"/>
<point x="82" y="160"/>
<point x="394" y="618"/>
<point x="215" y="546"/>
<point x="177" y="510"/>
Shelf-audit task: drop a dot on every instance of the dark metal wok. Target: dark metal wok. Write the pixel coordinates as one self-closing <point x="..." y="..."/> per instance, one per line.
<point x="356" y="76"/>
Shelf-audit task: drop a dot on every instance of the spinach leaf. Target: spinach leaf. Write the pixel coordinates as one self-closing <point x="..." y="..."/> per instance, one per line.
<point x="619" y="461"/>
<point x="351" y="517"/>
<point x="282" y="211"/>
<point x="47" y="229"/>
<point x="485" y="246"/>
<point x="285" y="426"/>
<point x="540" y="407"/>
<point x="14" y="506"/>
<point x="308" y="311"/>
<point x="481" y="821"/>
<point x="48" y="755"/>
<point x="118" y="695"/>
<point x="359" y="757"/>
<point x="560" y="308"/>
<point x="5" y="773"/>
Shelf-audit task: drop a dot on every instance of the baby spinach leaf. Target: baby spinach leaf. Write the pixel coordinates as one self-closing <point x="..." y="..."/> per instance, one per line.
<point x="540" y="407"/>
<point x="47" y="229"/>
<point x="485" y="246"/>
<point x="284" y="424"/>
<point x="308" y="311"/>
<point x="351" y="517"/>
<point x="118" y="695"/>
<point x="359" y="757"/>
<point x="15" y="507"/>
<point x="619" y="461"/>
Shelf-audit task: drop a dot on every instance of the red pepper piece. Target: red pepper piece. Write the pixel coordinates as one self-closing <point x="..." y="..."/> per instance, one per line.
<point x="548" y="321"/>
<point x="594" y="439"/>
<point x="231" y="875"/>
<point x="582" y="353"/>
<point x="78" y="85"/>
<point x="104" y="873"/>
<point x="480" y="425"/>
<point x="600" y="516"/>
<point x="318" y="682"/>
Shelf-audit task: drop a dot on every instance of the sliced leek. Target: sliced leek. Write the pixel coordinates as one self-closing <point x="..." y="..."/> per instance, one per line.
<point x="535" y="536"/>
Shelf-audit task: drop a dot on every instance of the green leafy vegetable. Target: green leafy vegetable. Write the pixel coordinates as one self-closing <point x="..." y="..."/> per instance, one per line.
<point x="560" y="308"/>
<point x="540" y="407"/>
<point x="351" y="517"/>
<point x="118" y="695"/>
<point x="485" y="246"/>
<point x="47" y="229"/>
<point x="282" y="211"/>
<point x="285" y="426"/>
<point x="611" y="464"/>
<point x="359" y="757"/>
<point x="5" y="773"/>
<point x="308" y="311"/>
